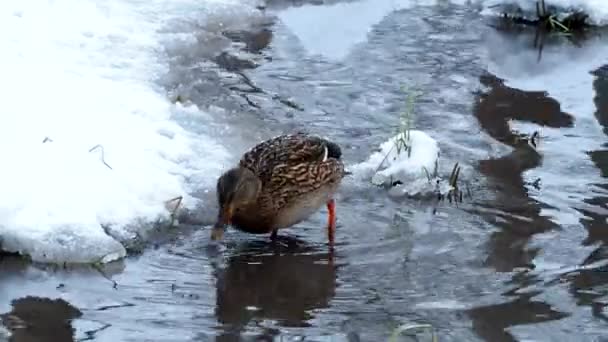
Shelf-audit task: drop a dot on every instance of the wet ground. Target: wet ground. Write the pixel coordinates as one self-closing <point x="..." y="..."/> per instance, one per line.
<point x="524" y="258"/>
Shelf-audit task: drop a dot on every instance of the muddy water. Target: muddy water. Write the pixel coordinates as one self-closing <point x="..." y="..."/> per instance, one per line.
<point x="524" y="258"/>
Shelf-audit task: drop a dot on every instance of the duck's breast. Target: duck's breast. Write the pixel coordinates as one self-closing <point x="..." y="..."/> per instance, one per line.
<point x="302" y="207"/>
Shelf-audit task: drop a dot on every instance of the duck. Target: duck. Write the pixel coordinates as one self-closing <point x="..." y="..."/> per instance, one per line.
<point x="279" y="183"/>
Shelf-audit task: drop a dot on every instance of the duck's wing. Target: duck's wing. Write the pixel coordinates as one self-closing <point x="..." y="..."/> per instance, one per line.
<point x="288" y="149"/>
<point x="289" y="182"/>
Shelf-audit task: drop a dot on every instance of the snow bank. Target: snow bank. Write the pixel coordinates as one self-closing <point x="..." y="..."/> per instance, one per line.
<point x="392" y="163"/>
<point x="79" y="74"/>
<point x="597" y="10"/>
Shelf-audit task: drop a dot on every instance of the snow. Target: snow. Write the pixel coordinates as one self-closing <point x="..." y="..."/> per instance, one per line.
<point x="597" y="10"/>
<point x="392" y="163"/>
<point x="79" y="74"/>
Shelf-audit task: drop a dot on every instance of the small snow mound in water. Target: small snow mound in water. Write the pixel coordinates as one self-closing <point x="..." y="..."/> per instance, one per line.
<point x="597" y="10"/>
<point x="411" y="166"/>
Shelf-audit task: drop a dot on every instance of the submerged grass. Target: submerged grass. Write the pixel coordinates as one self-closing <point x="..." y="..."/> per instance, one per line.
<point x="410" y="329"/>
<point x="549" y="22"/>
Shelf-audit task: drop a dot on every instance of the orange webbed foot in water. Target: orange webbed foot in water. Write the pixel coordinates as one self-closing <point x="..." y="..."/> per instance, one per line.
<point x="331" y="220"/>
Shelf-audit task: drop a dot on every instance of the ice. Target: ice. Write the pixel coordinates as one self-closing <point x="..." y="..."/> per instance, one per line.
<point x="565" y="72"/>
<point x="446" y="304"/>
<point x="331" y="36"/>
<point x="597" y="10"/>
<point x="4" y="334"/>
<point x="79" y="74"/>
<point x="414" y="167"/>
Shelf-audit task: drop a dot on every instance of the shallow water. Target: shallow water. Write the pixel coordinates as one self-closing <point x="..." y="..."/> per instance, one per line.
<point x="520" y="260"/>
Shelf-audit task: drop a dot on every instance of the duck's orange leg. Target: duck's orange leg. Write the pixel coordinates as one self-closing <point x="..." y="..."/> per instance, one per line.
<point x="331" y="220"/>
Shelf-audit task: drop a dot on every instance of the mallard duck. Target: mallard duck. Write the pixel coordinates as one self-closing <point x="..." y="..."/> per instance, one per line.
<point x="279" y="183"/>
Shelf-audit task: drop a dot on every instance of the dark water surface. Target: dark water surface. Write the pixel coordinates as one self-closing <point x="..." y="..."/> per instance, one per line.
<point x="524" y="259"/>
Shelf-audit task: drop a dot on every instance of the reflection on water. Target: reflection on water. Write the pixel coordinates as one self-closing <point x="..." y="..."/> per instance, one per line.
<point x="282" y="282"/>
<point x="513" y="211"/>
<point x="596" y="218"/>
<point x="36" y="319"/>
<point x="491" y="321"/>
<point x="503" y="103"/>
<point x="564" y="73"/>
<point x="517" y="216"/>
<point x="590" y="286"/>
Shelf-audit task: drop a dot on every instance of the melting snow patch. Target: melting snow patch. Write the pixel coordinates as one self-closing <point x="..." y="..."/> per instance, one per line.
<point x="409" y="160"/>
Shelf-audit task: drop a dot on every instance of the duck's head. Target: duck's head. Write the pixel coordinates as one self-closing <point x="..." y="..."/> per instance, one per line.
<point x="237" y="188"/>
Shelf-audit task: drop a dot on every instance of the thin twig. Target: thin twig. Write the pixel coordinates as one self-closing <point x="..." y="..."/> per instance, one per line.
<point x="179" y="200"/>
<point x="91" y="333"/>
<point x="250" y="83"/>
<point x="287" y="102"/>
<point x="456" y="178"/>
<point x="103" y="274"/>
<point x="256" y="89"/>
<point x="47" y="139"/>
<point x="544" y="7"/>
<point x="249" y="101"/>
<point x="426" y="172"/>
<point x="533" y="139"/>
<point x="539" y="41"/>
<point x="117" y="306"/>
<point x="103" y="159"/>
<point x="384" y="159"/>
<point x="453" y="175"/>
<point x="556" y="22"/>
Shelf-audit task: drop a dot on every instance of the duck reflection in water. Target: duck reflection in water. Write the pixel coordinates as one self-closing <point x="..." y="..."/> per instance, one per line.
<point x="37" y="319"/>
<point x="282" y="282"/>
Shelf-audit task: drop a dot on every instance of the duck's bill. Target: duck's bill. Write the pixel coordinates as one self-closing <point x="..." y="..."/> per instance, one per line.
<point x="223" y="219"/>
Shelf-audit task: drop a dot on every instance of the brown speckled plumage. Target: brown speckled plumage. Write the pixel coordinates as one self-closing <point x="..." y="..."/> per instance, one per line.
<point x="295" y="174"/>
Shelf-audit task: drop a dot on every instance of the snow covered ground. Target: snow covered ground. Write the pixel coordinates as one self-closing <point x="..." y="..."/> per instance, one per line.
<point x="79" y="74"/>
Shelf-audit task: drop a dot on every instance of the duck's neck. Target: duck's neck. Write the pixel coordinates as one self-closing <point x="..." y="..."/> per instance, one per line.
<point x="250" y="220"/>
